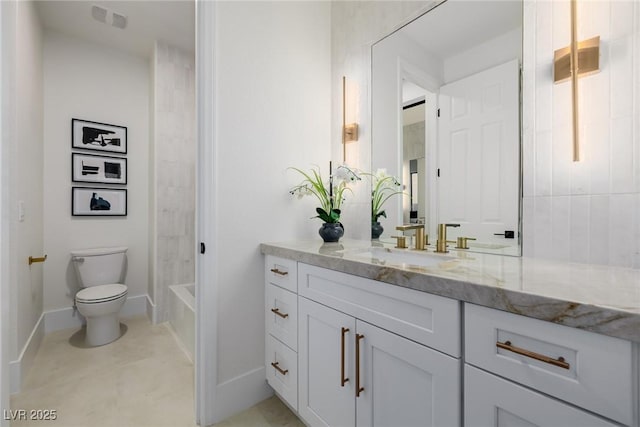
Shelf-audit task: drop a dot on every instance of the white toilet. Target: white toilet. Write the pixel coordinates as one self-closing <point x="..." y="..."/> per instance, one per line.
<point x="101" y="273"/>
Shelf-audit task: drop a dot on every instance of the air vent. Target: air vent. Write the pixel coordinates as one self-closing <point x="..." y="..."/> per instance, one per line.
<point x="99" y="14"/>
<point x="119" y="21"/>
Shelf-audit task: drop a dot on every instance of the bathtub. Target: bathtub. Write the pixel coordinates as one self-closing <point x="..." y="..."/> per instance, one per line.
<point x="182" y="303"/>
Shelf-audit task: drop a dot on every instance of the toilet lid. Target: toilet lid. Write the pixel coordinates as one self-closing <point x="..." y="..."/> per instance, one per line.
<point x="101" y="293"/>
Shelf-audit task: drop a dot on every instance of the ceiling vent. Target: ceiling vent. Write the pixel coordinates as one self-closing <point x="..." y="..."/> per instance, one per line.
<point x="107" y="16"/>
<point x="119" y="21"/>
<point x="99" y="14"/>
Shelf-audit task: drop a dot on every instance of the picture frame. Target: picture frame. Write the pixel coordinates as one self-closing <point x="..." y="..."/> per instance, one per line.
<point x="93" y="201"/>
<point x="93" y="168"/>
<point x="96" y="136"/>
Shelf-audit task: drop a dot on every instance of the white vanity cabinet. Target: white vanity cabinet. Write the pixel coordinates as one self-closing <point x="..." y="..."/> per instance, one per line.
<point x="363" y="356"/>
<point x="343" y="350"/>
<point x="281" y="324"/>
<point x="523" y="361"/>
<point x="354" y="373"/>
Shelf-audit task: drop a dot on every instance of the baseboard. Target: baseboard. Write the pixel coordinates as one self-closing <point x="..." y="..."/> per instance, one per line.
<point x="240" y="393"/>
<point x="19" y="368"/>
<point x="68" y="318"/>
<point x="151" y="310"/>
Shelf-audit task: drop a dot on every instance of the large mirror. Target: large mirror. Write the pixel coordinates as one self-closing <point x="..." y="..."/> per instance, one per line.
<point x="446" y="102"/>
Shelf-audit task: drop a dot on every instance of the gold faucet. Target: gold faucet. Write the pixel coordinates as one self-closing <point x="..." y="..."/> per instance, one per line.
<point x="421" y="239"/>
<point x="441" y="244"/>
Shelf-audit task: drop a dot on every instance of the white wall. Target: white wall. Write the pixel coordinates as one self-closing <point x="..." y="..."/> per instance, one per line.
<point x="273" y="111"/>
<point x="173" y="158"/>
<point x="26" y="184"/>
<point x="493" y="52"/>
<point x="582" y="212"/>
<point x="587" y="211"/>
<point x="88" y="81"/>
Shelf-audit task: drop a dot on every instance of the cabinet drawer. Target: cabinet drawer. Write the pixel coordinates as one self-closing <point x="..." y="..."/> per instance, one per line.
<point x="492" y="401"/>
<point x="281" y="310"/>
<point x="595" y="372"/>
<point x="282" y="370"/>
<point x="422" y="317"/>
<point x="281" y="272"/>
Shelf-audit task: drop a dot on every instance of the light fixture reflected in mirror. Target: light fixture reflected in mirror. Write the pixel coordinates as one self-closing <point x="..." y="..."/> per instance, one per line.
<point x="579" y="58"/>
<point x="349" y="131"/>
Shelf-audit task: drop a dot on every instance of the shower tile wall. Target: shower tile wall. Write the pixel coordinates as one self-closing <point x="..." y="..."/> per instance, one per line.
<point x="174" y="154"/>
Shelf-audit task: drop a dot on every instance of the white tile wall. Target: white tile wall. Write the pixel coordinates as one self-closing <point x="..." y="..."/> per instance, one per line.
<point x="586" y="211"/>
<point x="174" y="157"/>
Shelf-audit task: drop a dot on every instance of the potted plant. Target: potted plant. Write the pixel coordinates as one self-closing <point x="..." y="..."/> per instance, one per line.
<point x="383" y="186"/>
<point x="329" y="193"/>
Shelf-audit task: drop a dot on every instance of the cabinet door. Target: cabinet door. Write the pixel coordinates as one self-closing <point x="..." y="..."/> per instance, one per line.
<point x="405" y="384"/>
<point x="323" y="399"/>
<point x="494" y="402"/>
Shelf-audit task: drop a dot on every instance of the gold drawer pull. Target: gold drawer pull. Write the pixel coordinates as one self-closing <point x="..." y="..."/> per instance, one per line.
<point x="34" y="259"/>
<point x="279" y="369"/>
<point x="541" y="357"/>
<point x="277" y="311"/>
<point x="280" y="272"/>
<point x="359" y="389"/>
<point x="343" y="380"/>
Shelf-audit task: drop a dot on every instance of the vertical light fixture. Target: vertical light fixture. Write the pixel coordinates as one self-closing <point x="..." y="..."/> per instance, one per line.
<point x="349" y="131"/>
<point x="569" y="63"/>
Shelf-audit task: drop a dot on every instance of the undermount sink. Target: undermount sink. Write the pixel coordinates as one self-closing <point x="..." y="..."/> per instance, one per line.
<point x="402" y="257"/>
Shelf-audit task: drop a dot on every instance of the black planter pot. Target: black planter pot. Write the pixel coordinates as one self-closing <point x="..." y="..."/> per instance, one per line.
<point x="376" y="229"/>
<point x="331" y="231"/>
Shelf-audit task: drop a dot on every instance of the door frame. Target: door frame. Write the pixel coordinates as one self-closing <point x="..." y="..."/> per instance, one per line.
<point x="206" y="363"/>
<point x="431" y="87"/>
<point x="206" y="296"/>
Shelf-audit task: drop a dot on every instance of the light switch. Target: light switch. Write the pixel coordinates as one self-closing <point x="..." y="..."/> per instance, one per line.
<point x="21" y="210"/>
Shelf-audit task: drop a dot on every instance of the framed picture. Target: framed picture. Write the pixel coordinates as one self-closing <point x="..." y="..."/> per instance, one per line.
<point x="100" y="169"/>
<point x="98" y="136"/>
<point x="86" y="201"/>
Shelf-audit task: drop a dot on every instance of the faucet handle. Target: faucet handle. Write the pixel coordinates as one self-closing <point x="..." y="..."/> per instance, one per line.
<point x="462" y="242"/>
<point x="401" y="241"/>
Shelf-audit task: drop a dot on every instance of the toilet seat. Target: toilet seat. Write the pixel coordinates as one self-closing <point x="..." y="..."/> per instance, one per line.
<point x="101" y="293"/>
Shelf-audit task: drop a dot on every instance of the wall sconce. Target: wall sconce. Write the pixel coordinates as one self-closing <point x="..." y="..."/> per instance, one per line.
<point x="349" y="131"/>
<point x="570" y="62"/>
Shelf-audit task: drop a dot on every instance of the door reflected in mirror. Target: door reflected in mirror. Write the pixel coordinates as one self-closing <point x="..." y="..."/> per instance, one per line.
<point x="446" y="102"/>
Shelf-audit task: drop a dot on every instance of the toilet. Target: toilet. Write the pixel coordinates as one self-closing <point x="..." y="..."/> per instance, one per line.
<point x="101" y="273"/>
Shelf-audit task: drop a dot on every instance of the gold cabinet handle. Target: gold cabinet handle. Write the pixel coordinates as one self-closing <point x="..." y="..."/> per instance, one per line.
<point x="33" y="259"/>
<point x="279" y="272"/>
<point x="560" y="362"/>
<point x="277" y="311"/>
<point x="359" y="389"/>
<point x="279" y="369"/>
<point x="343" y="380"/>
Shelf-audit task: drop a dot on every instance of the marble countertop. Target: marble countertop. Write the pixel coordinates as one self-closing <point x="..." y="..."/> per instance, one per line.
<point x="596" y="298"/>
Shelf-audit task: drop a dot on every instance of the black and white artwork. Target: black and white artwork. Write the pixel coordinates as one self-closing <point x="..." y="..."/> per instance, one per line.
<point x="98" y="169"/>
<point x="98" y="136"/>
<point x="98" y="201"/>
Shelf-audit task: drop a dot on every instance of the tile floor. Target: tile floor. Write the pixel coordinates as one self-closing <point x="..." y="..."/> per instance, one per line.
<point x="142" y="379"/>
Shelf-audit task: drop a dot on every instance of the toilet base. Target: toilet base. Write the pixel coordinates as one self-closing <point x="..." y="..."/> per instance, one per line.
<point x="102" y="330"/>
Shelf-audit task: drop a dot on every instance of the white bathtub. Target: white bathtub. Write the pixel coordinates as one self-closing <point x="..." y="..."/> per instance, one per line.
<point x="182" y="318"/>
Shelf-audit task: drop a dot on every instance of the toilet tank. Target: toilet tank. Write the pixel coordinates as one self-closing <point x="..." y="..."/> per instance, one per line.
<point x="99" y="266"/>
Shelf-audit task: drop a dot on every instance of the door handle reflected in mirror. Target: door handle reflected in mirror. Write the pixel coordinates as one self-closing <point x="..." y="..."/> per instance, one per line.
<point x="508" y="234"/>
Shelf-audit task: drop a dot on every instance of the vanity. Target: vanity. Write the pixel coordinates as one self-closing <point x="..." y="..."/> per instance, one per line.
<point x="359" y="333"/>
